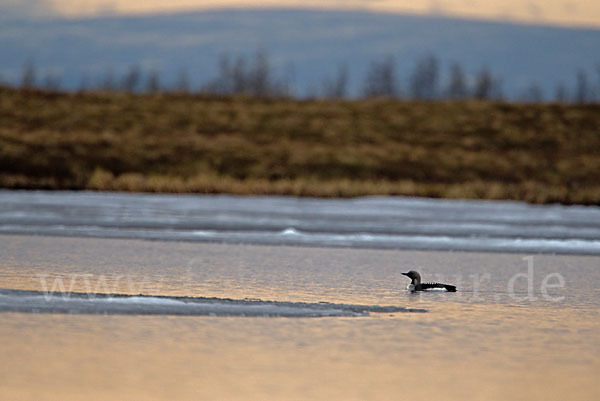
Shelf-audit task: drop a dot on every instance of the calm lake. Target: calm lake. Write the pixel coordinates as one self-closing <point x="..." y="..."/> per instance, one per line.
<point x="166" y="297"/>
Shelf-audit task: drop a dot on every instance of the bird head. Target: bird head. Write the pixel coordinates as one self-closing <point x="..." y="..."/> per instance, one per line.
<point x="413" y="275"/>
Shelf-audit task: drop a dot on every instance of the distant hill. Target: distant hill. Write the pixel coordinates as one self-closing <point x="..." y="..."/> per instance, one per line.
<point x="306" y="46"/>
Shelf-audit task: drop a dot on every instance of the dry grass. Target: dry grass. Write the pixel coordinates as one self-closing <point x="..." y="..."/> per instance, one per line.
<point x="183" y="143"/>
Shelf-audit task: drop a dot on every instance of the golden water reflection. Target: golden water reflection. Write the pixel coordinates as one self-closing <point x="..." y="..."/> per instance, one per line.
<point x="494" y="348"/>
<point x="491" y="353"/>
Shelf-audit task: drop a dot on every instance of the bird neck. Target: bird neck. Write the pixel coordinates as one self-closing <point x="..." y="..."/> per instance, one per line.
<point x="415" y="281"/>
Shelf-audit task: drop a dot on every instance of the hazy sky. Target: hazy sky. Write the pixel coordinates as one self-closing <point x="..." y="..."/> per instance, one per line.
<point x="556" y="12"/>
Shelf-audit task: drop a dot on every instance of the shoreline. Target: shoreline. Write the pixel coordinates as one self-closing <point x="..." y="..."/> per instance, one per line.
<point x="105" y="181"/>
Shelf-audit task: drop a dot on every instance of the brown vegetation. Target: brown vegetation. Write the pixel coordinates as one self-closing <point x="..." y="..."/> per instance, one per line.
<point x="189" y="143"/>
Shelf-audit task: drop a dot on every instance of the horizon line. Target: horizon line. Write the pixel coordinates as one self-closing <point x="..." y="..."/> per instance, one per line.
<point x="442" y="14"/>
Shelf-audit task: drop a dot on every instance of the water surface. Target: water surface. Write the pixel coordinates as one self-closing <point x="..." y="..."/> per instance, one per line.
<point x="273" y="298"/>
<point x="371" y="222"/>
<point x="487" y="341"/>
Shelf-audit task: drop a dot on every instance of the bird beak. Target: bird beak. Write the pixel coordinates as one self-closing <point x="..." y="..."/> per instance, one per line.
<point x="406" y="274"/>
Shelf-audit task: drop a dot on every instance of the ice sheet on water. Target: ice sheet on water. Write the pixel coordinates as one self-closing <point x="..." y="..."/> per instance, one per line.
<point x="120" y="304"/>
<point x="370" y="222"/>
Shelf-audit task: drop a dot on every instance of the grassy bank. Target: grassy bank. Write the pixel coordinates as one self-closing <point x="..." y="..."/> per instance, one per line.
<point x="184" y="143"/>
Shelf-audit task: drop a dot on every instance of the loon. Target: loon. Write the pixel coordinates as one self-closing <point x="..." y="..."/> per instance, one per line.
<point x="416" y="285"/>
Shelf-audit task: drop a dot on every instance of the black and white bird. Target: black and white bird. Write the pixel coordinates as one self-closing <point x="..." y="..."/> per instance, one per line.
<point x="417" y="285"/>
